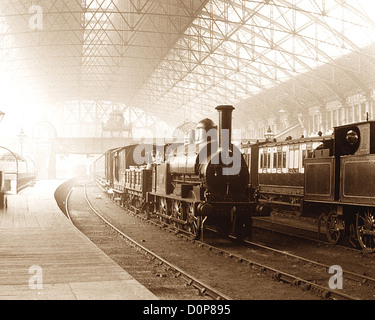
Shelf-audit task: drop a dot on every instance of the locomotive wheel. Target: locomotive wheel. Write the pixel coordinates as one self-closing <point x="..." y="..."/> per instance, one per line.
<point x="138" y="204"/>
<point x="177" y="212"/>
<point x="353" y="236"/>
<point x="163" y="209"/>
<point x="126" y="203"/>
<point x="334" y="234"/>
<point x="193" y="222"/>
<point x="122" y="203"/>
<point x="365" y="227"/>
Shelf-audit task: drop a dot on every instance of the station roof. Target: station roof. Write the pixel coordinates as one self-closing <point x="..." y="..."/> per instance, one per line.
<point x="179" y="59"/>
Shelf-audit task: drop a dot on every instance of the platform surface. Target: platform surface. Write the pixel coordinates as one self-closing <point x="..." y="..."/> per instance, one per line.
<point x="43" y="256"/>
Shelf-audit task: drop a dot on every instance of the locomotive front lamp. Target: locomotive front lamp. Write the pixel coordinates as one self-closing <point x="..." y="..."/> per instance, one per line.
<point x="269" y="135"/>
<point x="352" y="137"/>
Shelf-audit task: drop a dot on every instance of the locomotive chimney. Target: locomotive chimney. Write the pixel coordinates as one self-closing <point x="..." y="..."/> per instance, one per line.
<point x="225" y="123"/>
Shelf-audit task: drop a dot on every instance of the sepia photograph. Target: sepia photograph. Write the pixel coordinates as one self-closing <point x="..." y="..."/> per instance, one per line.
<point x="187" y="157"/>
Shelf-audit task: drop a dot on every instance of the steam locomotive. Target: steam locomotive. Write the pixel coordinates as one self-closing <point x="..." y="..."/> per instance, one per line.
<point x="203" y="181"/>
<point x="331" y="178"/>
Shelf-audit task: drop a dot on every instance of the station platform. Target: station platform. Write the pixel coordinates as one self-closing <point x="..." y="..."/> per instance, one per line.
<point x="44" y="257"/>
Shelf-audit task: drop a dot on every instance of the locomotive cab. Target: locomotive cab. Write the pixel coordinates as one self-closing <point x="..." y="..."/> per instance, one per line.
<point x="357" y="139"/>
<point x="213" y="172"/>
<point x="206" y="130"/>
<point x="341" y="164"/>
<point x="345" y="182"/>
<point x="355" y="154"/>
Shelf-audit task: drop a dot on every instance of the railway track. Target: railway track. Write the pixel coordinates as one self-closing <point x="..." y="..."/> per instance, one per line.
<point x="305" y="282"/>
<point x="163" y="278"/>
<point x="277" y="274"/>
<point x="281" y="228"/>
<point x="357" y="279"/>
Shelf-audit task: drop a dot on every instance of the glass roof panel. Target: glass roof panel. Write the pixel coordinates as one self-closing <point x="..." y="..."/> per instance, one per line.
<point x="171" y="55"/>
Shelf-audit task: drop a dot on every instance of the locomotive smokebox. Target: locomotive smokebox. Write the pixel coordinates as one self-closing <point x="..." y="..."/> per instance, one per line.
<point x="225" y="124"/>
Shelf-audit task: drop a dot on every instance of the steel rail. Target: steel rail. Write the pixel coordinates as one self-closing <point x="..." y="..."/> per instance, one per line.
<point x="66" y="204"/>
<point x="281" y="275"/>
<point x="352" y="275"/>
<point x="204" y="289"/>
<point x="304" y="237"/>
<point x="276" y="274"/>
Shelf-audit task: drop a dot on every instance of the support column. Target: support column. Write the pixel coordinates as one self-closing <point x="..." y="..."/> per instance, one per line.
<point x="323" y="119"/>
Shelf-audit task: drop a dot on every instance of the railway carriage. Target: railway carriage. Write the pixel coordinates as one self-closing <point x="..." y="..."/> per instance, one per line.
<point x="98" y="170"/>
<point x="277" y="171"/>
<point x="130" y="174"/>
<point x="103" y="169"/>
<point x="330" y="178"/>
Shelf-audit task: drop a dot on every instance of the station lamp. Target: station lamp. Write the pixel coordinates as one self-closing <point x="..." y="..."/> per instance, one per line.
<point x="269" y="135"/>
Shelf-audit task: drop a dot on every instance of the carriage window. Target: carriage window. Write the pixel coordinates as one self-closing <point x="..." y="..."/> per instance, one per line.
<point x="268" y="160"/>
<point x="264" y="160"/>
<point x="275" y="164"/>
<point x="296" y="159"/>
<point x="291" y="159"/>
<point x="284" y="160"/>
<point x="279" y="160"/>
<point x="304" y="156"/>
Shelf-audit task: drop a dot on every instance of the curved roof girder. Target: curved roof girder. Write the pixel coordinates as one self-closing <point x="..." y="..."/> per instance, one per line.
<point x="105" y="66"/>
<point x="225" y="37"/>
<point x="192" y="14"/>
<point x="253" y="82"/>
<point x="263" y="74"/>
<point x="350" y="73"/>
<point x="351" y="76"/>
<point x="270" y="62"/>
